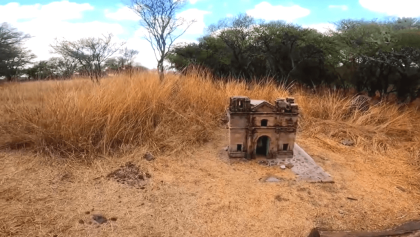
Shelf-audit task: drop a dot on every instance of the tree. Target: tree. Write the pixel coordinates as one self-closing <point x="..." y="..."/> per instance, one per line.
<point x="163" y="27"/>
<point x="64" y="67"/>
<point x="54" y="68"/>
<point x="13" y="56"/>
<point x="127" y="57"/>
<point x="381" y="56"/>
<point x="90" y="53"/>
<point x="244" y="48"/>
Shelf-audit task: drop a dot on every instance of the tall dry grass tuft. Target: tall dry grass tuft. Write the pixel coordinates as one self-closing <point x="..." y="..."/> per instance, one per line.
<point x="79" y="118"/>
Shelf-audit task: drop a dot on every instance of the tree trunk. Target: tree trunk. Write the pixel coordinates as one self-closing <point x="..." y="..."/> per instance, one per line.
<point x="160" y="70"/>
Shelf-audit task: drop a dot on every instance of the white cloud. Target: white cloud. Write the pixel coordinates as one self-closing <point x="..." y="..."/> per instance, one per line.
<point x="47" y="22"/>
<point x="44" y="33"/>
<point x="266" y="11"/>
<point x="198" y="16"/>
<point x="321" y="27"/>
<point x="123" y="13"/>
<point x="146" y="57"/>
<point x="342" y="7"/>
<point x="193" y="1"/>
<point x="63" y="10"/>
<point x="400" y="8"/>
<point x="229" y="15"/>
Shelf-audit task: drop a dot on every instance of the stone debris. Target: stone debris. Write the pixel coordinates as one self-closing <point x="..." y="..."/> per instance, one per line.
<point x="263" y="162"/>
<point x="401" y="188"/>
<point x="131" y="175"/>
<point x="306" y="169"/>
<point x="272" y="179"/>
<point x="301" y="164"/>
<point x="347" y="142"/>
<point x="289" y="165"/>
<point x="148" y="156"/>
<point x="280" y="198"/>
<point x="99" y="219"/>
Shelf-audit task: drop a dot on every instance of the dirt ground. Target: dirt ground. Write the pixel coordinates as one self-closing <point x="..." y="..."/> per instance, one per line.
<point x="201" y="195"/>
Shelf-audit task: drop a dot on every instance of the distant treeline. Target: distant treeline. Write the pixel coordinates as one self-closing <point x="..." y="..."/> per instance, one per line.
<point x="91" y="57"/>
<point x="372" y="56"/>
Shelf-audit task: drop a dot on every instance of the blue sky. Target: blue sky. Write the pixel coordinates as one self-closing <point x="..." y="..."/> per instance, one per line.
<point x="73" y="19"/>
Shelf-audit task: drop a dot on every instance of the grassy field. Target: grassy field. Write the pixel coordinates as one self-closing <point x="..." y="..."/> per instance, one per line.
<point x="59" y="141"/>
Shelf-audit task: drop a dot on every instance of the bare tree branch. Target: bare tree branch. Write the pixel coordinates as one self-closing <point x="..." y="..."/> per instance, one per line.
<point x="158" y="18"/>
<point x="90" y="53"/>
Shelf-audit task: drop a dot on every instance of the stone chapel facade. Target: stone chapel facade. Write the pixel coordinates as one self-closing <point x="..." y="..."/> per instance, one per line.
<point x="258" y="128"/>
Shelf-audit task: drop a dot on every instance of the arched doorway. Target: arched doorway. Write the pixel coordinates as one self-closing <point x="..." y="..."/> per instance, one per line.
<point x="263" y="146"/>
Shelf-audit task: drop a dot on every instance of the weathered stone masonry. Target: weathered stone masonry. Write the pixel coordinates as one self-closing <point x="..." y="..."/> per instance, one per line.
<point x="257" y="127"/>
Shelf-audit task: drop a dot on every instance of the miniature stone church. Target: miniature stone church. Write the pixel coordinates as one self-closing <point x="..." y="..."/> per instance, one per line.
<point x="260" y="129"/>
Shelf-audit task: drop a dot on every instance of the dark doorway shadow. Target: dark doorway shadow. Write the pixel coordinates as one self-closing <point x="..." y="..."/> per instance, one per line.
<point x="263" y="146"/>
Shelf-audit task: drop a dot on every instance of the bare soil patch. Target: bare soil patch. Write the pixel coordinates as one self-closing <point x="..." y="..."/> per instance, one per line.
<point x="198" y="194"/>
<point x="131" y="175"/>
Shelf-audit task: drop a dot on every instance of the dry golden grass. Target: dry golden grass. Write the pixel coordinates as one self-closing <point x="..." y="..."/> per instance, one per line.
<point x="193" y="192"/>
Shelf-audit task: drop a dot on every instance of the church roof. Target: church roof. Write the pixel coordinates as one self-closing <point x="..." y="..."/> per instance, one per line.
<point x="257" y="102"/>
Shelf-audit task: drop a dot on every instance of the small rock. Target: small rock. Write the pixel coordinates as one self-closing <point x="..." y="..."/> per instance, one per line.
<point x="289" y="165"/>
<point x="148" y="156"/>
<point x="99" y="219"/>
<point x="272" y="179"/>
<point x="282" y="167"/>
<point x="87" y="213"/>
<point x="280" y="198"/>
<point x="226" y="148"/>
<point x="271" y="162"/>
<point x="401" y="188"/>
<point x="341" y="212"/>
<point x="353" y="199"/>
<point x="347" y="142"/>
<point x="81" y="222"/>
<point x="263" y="162"/>
<point x="113" y="219"/>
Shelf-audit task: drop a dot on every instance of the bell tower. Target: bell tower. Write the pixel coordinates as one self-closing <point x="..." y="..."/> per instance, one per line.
<point x="240" y="104"/>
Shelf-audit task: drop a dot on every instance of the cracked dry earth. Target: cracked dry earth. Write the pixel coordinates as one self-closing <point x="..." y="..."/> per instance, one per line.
<point x="201" y="195"/>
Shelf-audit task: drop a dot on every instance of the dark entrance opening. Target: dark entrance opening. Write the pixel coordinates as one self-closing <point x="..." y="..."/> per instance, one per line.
<point x="285" y="147"/>
<point x="239" y="147"/>
<point x="264" y="123"/>
<point x="263" y="146"/>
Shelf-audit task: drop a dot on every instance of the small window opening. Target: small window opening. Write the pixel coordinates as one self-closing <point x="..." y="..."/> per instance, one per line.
<point x="240" y="104"/>
<point x="239" y="147"/>
<point x="264" y="123"/>
<point x="285" y="147"/>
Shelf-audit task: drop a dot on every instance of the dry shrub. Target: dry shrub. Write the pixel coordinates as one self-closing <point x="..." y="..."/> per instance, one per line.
<point x="384" y="127"/>
<point x="80" y="118"/>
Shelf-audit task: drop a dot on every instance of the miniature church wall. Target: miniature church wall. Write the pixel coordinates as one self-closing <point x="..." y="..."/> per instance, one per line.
<point x="258" y="128"/>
